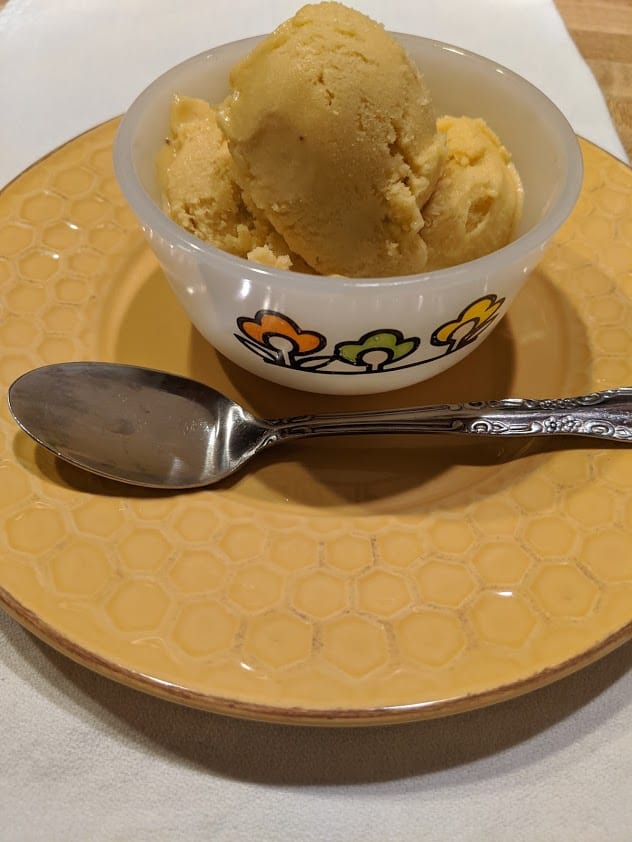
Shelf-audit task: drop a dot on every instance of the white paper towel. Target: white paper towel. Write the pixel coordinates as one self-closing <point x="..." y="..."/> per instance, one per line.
<point x="67" y="65"/>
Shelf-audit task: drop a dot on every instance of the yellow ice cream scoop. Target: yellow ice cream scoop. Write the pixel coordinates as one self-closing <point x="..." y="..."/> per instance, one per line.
<point x="333" y="137"/>
<point x="477" y="202"/>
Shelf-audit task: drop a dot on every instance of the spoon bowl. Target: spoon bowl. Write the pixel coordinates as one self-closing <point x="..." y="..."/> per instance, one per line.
<point x="160" y="430"/>
<point x="136" y="425"/>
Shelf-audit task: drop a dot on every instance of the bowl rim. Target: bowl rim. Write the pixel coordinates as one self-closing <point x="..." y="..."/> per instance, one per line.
<point x="151" y="215"/>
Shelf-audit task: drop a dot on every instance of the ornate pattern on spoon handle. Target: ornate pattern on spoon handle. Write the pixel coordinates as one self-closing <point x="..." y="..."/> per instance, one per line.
<point x="605" y="415"/>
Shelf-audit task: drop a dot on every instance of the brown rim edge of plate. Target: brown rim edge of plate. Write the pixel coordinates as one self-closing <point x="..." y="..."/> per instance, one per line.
<point x="332" y="717"/>
<point x="65" y="143"/>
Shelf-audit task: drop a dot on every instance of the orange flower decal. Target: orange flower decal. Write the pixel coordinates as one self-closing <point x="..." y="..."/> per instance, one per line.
<point x="279" y="337"/>
<point x="469" y="324"/>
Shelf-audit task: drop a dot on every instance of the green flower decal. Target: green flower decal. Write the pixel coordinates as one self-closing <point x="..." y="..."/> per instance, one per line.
<point x="375" y="350"/>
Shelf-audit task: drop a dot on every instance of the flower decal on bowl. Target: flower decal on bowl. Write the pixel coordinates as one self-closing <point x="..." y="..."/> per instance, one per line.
<point x="279" y="340"/>
<point x="469" y="324"/>
<point x="376" y="350"/>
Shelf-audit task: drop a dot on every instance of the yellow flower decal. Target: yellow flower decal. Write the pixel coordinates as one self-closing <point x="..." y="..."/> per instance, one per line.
<point x="469" y="324"/>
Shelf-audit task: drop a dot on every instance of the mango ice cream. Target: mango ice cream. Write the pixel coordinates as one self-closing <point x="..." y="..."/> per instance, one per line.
<point x="327" y="157"/>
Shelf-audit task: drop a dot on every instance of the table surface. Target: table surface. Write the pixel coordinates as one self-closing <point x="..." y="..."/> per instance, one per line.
<point x="602" y="31"/>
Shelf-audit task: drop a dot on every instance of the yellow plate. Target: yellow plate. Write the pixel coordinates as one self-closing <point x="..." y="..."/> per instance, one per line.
<point x="353" y="581"/>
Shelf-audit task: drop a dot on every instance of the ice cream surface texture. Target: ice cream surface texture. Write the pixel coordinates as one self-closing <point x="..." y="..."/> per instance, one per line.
<point x="477" y="202"/>
<point x="334" y="139"/>
<point x="327" y="157"/>
<point x="196" y="172"/>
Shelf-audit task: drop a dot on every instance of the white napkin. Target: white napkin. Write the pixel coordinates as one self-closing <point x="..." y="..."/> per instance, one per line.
<point x="68" y="65"/>
<point x="87" y="760"/>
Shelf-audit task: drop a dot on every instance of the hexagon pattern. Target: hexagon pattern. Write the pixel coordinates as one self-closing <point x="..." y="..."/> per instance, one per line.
<point x="229" y="595"/>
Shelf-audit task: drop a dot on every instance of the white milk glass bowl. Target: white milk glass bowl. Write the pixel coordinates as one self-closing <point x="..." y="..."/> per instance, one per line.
<point x="356" y="336"/>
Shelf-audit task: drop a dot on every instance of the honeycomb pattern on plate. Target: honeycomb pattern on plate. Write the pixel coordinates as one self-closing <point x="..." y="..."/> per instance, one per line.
<point x="291" y="594"/>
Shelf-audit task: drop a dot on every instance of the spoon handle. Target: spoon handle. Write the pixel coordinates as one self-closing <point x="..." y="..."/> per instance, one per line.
<point x="604" y="415"/>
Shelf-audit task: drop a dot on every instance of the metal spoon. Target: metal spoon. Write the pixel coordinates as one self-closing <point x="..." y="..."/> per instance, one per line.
<point x="160" y="430"/>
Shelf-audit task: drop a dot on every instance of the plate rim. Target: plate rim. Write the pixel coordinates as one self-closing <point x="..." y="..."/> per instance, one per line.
<point x="300" y="715"/>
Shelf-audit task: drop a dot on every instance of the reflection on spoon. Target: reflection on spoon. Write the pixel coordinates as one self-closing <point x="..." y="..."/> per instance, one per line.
<point x="160" y="430"/>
